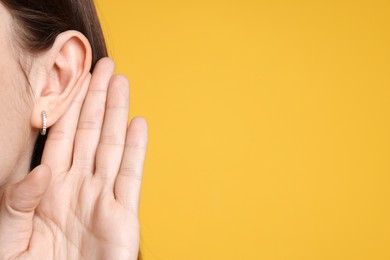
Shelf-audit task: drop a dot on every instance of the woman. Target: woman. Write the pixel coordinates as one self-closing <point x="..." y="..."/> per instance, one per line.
<point x="76" y="194"/>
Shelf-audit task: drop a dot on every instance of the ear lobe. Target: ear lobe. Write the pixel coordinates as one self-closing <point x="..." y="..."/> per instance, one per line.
<point x="66" y="66"/>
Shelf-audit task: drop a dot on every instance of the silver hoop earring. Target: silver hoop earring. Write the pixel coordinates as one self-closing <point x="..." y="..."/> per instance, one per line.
<point x="44" y="123"/>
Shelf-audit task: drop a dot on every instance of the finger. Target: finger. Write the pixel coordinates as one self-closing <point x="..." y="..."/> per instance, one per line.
<point x="17" y="210"/>
<point x="112" y="139"/>
<point x="91" y="118"/>
<point x="129" y="179"/>
<point x="58" y="150"/>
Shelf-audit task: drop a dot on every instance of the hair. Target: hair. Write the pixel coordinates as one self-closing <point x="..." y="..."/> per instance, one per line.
<point x="39" y="22"/>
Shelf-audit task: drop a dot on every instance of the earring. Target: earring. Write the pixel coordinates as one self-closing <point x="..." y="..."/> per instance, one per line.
<point x="44" y="122"/>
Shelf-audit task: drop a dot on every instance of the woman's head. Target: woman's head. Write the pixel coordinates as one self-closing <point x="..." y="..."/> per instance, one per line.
<point x="48" y="47"/>
<point x="47" y="50"/>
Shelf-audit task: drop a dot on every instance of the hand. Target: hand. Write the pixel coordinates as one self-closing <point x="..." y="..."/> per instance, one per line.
<point x="82" y="202"/>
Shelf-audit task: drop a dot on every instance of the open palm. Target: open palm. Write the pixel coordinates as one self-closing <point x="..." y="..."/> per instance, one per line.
<point x="90" y="208"/>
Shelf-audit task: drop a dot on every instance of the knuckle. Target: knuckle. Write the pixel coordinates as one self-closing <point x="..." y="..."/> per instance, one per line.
<point x="88" y="124"/>
<point x="131" y="172"/>
<point x="14" y="205"/>
<point x="135" y="145"/>
<point x="92" y="120"/>
<point x="82" y="164"/>
<point x="112" y="140"/>
<point x="102" y="172"/>
<point x="57" y="135"/>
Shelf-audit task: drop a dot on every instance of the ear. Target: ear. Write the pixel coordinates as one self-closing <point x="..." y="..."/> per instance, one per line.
<point x="60" y="73"/>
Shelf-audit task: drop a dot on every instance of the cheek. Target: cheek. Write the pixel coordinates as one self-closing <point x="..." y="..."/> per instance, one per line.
<point x="14" y="116"/>
<point x="14" y="108"/>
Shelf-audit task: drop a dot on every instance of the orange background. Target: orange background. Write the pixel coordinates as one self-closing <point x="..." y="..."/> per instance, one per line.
<point x="268" y="123"/>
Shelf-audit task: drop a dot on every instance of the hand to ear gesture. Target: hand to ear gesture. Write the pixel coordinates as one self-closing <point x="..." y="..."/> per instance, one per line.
<point x="82" y="202"/>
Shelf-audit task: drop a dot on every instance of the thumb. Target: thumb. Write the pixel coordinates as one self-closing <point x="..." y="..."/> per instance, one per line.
<point x="17" y="210"/>
<point x="23" y="197"/>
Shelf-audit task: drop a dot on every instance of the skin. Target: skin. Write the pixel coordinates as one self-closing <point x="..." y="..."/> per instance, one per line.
<point x="15" y="105"/>
<point x="82" y="201"/>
